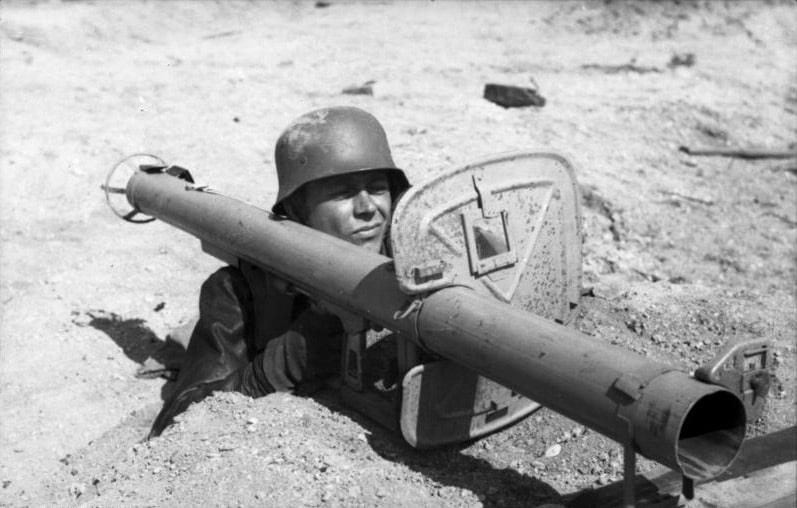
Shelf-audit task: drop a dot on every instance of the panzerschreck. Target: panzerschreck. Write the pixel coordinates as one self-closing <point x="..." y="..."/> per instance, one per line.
<point x="484" y="278"/>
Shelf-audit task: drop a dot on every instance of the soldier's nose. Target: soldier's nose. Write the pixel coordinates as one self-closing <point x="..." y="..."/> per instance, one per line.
<point x="364" y="203"/>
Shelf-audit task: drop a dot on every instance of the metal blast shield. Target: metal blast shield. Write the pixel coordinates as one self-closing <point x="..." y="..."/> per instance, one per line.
<point x="508" y="227"/>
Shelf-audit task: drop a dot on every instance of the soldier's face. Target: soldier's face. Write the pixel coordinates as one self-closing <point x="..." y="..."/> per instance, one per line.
<point x="354" y="207"/>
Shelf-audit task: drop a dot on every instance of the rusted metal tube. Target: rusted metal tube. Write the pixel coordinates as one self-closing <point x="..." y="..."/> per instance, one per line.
<point x="688" y="425"/>
<point x="691" y="426"/>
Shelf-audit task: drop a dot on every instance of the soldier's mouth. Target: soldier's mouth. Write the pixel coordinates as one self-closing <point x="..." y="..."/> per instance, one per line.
<point x="367" y="232"/>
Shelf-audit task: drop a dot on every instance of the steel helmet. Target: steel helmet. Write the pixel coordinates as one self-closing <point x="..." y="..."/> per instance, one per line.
<point x="328" y="142"/>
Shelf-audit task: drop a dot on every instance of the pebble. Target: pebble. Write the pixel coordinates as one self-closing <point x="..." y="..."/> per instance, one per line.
<point x="553" y="451"/>
<point x="77" y="489"/>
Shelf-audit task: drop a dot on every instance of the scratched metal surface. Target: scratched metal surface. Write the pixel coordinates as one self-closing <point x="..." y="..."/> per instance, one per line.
<point x="538" y="197"/>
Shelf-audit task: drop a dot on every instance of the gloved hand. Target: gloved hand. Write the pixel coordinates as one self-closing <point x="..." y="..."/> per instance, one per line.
<point x="252" y="379"/>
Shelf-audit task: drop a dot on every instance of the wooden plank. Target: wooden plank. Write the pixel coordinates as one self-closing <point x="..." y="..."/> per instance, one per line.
<point x="763" y="461"/>
<point x="773" y="487"/>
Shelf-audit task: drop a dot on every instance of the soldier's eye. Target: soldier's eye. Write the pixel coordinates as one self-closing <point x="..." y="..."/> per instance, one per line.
<point x="378" y="187"/>
<point x="345" y="192"/>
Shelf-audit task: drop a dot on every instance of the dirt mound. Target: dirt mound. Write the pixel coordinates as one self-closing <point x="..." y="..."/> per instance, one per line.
<point x="233" y="451"/>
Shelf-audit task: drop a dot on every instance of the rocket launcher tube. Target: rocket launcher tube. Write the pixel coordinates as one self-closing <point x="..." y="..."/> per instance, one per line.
<point x="670" y="417"/>
<point x="690" y="426"/>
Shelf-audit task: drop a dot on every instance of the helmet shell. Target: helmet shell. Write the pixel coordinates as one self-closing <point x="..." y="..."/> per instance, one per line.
<point x="329" y="142"/>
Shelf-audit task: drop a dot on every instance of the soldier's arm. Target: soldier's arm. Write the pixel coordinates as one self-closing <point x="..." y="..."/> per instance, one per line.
<point x="217" y="351"/>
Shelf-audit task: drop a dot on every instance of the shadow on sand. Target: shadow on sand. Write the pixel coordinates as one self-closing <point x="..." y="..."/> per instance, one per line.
<point x="450" y="466"/>
<point x="157" y="357"/>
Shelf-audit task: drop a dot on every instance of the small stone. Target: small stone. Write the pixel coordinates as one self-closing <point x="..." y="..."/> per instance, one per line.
<point x="553" y="451"/>
<point x="364" y="89"/>
<point x="77" y="489"/>
<point x="509" y="96"/>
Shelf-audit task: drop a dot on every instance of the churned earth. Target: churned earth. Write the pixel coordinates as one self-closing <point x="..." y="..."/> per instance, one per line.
<point x="683" y="254"/>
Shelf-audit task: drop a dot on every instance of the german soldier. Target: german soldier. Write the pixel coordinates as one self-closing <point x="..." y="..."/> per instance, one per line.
<point x="336" y="175"/>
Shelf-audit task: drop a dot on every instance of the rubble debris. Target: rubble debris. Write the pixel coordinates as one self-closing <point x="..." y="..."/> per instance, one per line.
<point x="740" y="153"/>
<point x="219" y="35"/>
<point x="681" y="60"/>
<point x="631" y="66"/>
<point x="364" y="89"/>
<point x="676" y="196"/>
<point x="509" y="96"/>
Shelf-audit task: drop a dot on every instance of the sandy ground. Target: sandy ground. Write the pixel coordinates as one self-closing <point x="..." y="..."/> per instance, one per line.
<point x="684" y="253"/>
